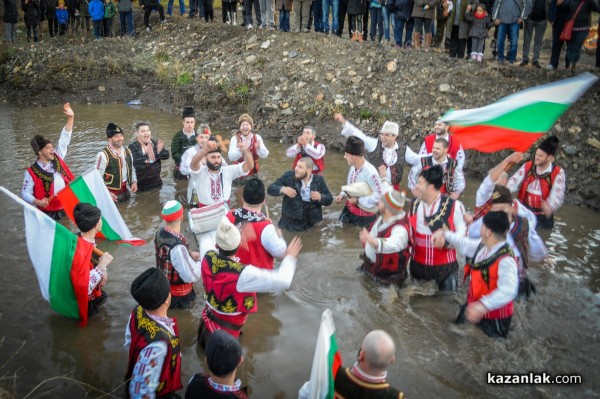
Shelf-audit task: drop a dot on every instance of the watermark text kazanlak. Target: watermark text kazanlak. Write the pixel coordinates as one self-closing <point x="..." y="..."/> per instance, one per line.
<point x="533" y="378"/>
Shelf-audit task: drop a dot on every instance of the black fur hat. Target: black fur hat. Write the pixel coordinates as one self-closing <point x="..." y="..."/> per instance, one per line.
<point x="150" y="289"/>
<point x="549" y="145"/>
<point x="354" y="146"/>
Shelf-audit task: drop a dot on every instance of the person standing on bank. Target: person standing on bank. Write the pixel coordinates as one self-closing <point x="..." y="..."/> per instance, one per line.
<point x="174" y="258"/>
<point x="115" y="165"/>
<point x="147" y="154"/>
<point x="49" y="174"/>
<point x="304" y="194"/>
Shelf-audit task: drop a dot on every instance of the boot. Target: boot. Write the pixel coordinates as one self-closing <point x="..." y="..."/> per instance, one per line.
<point x="427" y="41"/>
<point x="474" y="56"/>
<point x="354" y="36"/>
<point x="360" y="37"/>
<point x="228" y="18"/>
<point x="416" y="42"/>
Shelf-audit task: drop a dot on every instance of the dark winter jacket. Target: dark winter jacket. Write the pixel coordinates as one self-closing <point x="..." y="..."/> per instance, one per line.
<point x="463" y="25"/>
<point x="584" y="16"/>
<point x="50" y="8"/>
<point x="404" y="9"/>
<point x="509" y="11"/>
<point x="419" y="10"/>
<point x="357" y="7"/>
<point x="293" y="215"/>
<point x="32" y="12"/>
<point x="11" y="14"/>
<point x="479" y="27"/>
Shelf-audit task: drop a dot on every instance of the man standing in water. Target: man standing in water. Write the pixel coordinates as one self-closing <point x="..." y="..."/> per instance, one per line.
<point x="183" y="140"/>
<point x="49" y="174"/>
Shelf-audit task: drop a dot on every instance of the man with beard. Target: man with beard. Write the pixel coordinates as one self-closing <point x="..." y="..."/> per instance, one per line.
<point x="212" y="182"/>
<point x="304" y="193"/>
<point x="385" y="153"/>
<point x="115" y="165"/>
<point x="261" y="242"/>
<point x="49" y="174"/>
<point x="454" y="179"/>
<point x="147" y="153"/>
<point x="246" y="139"/>
<point x="455" y="149"/>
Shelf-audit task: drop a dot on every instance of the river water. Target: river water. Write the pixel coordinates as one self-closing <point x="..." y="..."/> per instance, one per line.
<point x="557" y="332"/>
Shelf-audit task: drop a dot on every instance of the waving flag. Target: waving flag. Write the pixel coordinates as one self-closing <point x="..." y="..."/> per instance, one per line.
<point x="517" y="121"/>
<point x="61" y="261"/>
<point x="327" y="360"/>
<point x="90" y="188"/>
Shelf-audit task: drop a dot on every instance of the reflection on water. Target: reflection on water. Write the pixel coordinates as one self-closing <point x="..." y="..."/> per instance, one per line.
<point x="556" y="331"/>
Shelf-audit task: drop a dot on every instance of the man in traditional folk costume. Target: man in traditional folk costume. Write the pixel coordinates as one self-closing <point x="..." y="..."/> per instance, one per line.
<point x="455" y="149"/>
<point x="360" y="210"/>
<point x="386" y="243"/>
<point x="454" y="179"/>
<point x="230" y="286"/>
<point x="154" y="366"/>
<point x="540" y="183"/>
<point x="174" y="258"/>
<point x="115" y="165"/>
<point x="429" y="212"/>
<point x="307" y="146"/>
<point x="493" y="274"/>
<point x="261" y="241"/>
<point x="384" y="153"/>
<point x="244" y="140"/>
<point x="49" y="174"/>
<point x="213" y="182"/>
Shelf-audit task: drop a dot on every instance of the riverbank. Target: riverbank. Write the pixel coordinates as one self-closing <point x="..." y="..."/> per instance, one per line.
<point x="288" y="80"/>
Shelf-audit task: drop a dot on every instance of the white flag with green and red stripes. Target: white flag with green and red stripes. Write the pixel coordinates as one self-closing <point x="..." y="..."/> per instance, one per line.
<point x="517" y="121"/>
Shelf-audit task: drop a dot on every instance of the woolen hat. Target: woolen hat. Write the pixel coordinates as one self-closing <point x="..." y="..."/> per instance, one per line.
<point x="150" y="289"/>
<point x="172" y="211"/>
<point x="228" y="236"/>
<point x="394" y="201"/>
<point x="501" y="195"/>
<point x="188" y="112"/>
<point x="38" y="142"/>
<point x="112" y="129"/>
<point x="354" y="146"/>
<point x="391" y="128"/>
<point x="86" y="216"/>
<point x="245" y="118"/>
<point x="497" y="222"/>
<point x="549" y="145"/>
<point x="223" y="353"/>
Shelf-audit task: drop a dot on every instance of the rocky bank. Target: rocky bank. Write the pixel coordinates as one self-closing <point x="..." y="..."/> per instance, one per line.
<point x="287" y="80"/>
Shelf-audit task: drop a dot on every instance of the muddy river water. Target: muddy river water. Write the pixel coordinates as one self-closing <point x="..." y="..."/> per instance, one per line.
<point x="557" y="331"/>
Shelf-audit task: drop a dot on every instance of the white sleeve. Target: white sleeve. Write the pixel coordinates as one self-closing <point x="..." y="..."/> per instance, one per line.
<point x="254" y="279"/>
<point x="557" y="193"/>
<point x="413" y="175"/>
<point x="271" y="241"/>
<point x="95" y="279"/>
<point x="372" y="200"/>
<point x="485" y="191"/>
<point x="514" y="183"/>
<point x="234" y="153"/>
<point x="63" y="143"/>
<point x="186" y="161"/>
<point x="315" y="152"/>
<point x="537" y="249"/>
<point x="350" y="130"/>
<point x="459" y="218"/>
<point x="464" y="245"/>
<point x="475" y="229"/>
<point x="292" y="150"/>
<point x="188" y="268"/>
<point x="507" y="287"/>
<point x="263" y="151"/>
<point x="133" y="174"/>
<point x="27" y="189"/>
<point x="459" y="180"/>
<point x="101" y="163"/>
<point x="460" y="158"/>
<point x="147" y="369"/>
<point x="423" y="150"/>
<point x="127" y="333"/>
<point x="411" y="157"/>
<point x="396" y="242"/>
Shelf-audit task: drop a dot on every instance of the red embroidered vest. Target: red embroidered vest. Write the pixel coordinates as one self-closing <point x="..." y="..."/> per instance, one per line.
<point x="391" y="263"/>
<point x="533" y="201"/>
<point x="251" y="250"/>
<point x="144" y="331"/>
<point x="43" y="182"/>
<point x="319" y="163"/>
<point x="253" y="151"/>
<point x="164" y="242"/>
<point x="453" y="145"/>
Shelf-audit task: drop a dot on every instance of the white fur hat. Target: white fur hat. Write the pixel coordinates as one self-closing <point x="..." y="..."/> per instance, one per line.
<point x="391" y="128"/>
<point x="228" y="236"/>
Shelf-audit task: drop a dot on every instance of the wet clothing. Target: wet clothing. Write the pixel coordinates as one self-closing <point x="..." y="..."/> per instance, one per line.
<point x="252" y="141"/>
<point x="202" y="386"/>
<point x="363" y="213"/>
<point x="455" y="149"/>
<point x="180" y="143"/>
<point x="454" y="178"/>
<point x="117" y="171"/>
<point x="148" y="166"/>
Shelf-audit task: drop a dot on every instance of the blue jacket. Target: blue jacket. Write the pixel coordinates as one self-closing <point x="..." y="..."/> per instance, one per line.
<point x="62" y="15"/>
<point x="96" y="9"/>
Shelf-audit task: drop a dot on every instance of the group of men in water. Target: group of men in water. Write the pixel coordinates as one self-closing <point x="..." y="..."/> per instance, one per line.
<point x="237" y="247"/>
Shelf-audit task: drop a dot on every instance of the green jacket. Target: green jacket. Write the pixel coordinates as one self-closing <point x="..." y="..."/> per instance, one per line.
<point x="110" y="10"/>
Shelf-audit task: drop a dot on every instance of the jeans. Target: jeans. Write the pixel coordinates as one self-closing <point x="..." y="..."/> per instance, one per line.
<point x="574" y="46"/>
<point x="284" y="20"/>
<point x="181" y="7"/>
<point x="196" y="8"/>
<point x="334" y="5"/>
<point x="98" y="28"/>
<point x="10" y="32"/>
<point x="266" y="12"/>
<point x="376" y="24"/>
<point x="387" y="19"/>
<point x="317" y="13"/>
<point x="513" y="33"/>
<point x="126" y="18"/>
<point x="248" y="4"/>
<point x="399" y="26"/>
<point x="535" y="29"/>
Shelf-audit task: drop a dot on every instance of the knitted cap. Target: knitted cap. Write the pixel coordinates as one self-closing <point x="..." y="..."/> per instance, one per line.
<point x="394" y="201"/>
<point x="228" y="236"/>
<point x="150" y="289"/>
<point x="112" y="129"/>
<point x="245" y="118"/>
<point x="172" y="211"/>
<point x="188" y="112"/>
<point x="223" y="353"/>
<point x="391" y="128"/>
<point x="86" y="216"/>
<point x="549" y="145"/>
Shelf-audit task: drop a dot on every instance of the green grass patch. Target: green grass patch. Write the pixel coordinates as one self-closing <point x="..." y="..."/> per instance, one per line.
<point x="161" y="56"/>
<point x="184" y="78"/>
<point x="242" y="90"/>
<point x="365" y="114"/>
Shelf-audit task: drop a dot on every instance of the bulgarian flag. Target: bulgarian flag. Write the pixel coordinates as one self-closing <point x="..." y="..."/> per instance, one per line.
<point x="518" y="120"/>
<point x="90" y="188"/>
<point x="61" y="261"/>
<point x="327" y="360"/>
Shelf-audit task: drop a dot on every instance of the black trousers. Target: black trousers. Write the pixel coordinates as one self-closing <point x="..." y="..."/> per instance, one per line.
<point x="456" y="45"/>
<point x="342" y="17"/>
